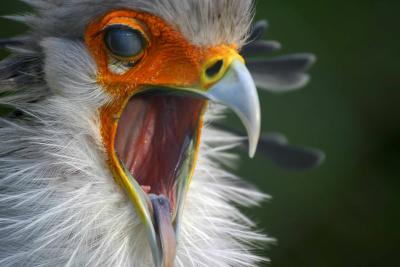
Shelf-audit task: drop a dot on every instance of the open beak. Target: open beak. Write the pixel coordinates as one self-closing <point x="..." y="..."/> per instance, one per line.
<point x="159" y="196"/>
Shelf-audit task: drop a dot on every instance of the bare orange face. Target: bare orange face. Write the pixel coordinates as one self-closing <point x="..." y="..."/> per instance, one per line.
<point x="152" y="138"/>
<point x="167" y="59"/>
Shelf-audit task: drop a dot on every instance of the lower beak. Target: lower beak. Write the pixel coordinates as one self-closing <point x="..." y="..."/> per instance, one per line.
<point x="237" y="91"/>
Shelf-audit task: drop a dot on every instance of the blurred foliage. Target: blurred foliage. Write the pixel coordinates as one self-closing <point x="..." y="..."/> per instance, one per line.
<point x="346" y="212"/>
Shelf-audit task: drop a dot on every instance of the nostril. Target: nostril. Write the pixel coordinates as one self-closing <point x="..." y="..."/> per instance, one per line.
<point x="214" y="69"/>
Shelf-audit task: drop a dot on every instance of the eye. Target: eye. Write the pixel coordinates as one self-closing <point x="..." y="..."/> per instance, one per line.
<point x="123" y="41"/>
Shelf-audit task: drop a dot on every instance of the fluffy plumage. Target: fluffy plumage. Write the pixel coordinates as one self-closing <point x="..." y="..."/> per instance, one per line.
<point x="59" y="204"/>
<point x="205" y="22"/>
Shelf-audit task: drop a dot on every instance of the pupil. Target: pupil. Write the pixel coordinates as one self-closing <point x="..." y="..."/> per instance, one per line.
<point x="124" y="42"/>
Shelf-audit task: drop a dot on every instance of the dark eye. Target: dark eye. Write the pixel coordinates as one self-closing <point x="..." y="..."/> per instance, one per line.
<point x="124" y="41"/>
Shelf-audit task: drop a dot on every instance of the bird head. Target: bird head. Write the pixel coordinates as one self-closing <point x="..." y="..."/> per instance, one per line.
<point x="159" y="84"/>
<point x="152" y="80"/>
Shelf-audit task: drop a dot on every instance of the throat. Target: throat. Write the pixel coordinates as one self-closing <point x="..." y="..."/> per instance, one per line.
<point x="154" y="137"/>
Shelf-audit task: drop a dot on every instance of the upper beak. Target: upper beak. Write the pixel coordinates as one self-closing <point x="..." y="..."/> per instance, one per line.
<point x="237" y="91"/>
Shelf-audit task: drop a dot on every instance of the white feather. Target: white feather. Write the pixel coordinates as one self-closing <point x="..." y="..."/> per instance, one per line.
<point x="60" y="205"/>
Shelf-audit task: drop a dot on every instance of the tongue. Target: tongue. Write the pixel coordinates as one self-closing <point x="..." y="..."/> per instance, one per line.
<point x="164" y="229"/>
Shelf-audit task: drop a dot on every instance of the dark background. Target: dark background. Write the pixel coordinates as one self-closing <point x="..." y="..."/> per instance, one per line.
<point x="346" y="212"/>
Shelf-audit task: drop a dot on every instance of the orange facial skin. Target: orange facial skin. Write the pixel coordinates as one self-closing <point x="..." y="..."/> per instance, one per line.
<point x="167" y="60"/>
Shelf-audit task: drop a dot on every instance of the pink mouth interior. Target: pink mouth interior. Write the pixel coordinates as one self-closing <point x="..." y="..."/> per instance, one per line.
<point x="153" y="136"/>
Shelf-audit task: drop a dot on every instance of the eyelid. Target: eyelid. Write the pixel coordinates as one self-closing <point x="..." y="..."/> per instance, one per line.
<point x="130" y="23"/>
<point x="125" y="27"/>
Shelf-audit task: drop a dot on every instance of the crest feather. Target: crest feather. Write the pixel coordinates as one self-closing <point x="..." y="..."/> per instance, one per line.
<point x="205" y="22"/>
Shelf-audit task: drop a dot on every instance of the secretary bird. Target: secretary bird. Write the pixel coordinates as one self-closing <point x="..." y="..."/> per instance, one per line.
<point x="113" y="152"/>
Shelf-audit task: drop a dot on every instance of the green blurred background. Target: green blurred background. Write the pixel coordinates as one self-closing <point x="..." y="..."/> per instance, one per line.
<point x="346" y="212"/>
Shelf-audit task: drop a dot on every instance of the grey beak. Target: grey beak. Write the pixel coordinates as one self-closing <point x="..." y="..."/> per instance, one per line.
<point x="237" y="91"/>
